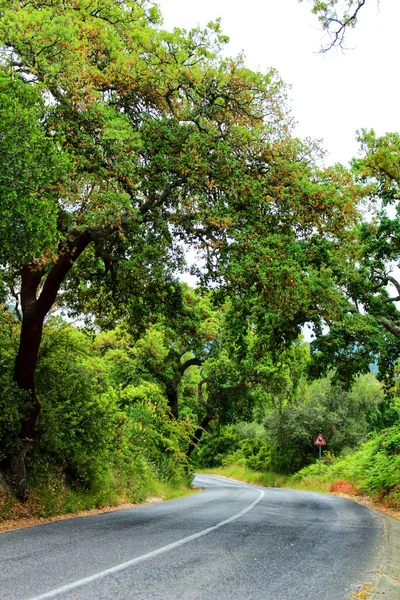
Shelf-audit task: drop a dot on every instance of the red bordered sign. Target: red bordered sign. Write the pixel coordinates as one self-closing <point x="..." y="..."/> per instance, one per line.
<point x="319" y="441"/>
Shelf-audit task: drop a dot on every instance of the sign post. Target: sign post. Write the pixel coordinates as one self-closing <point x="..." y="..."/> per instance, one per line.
<point x="319" y="441"/>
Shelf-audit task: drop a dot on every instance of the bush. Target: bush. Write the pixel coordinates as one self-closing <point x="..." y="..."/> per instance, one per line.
<point x="12" y="399"/>
<point x="153" y="434"/>
<point x="374" y="468"/>
<point x="213" y="449"/>
<point x="244" y="444"/>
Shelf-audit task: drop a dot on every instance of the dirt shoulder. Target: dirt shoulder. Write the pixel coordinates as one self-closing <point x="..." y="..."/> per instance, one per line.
<point x="388" y="580"/>
<point x="21" y="522"/>
<point x="387" y="583"/>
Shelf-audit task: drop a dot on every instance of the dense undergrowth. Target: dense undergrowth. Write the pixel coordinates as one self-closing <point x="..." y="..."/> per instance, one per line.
<point x="373" y="469"/>
<point x="106" y="435"/>
<point x="51" y="496"/>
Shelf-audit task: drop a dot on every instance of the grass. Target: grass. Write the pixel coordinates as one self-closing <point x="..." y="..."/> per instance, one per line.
<point x="242" y="473"/>
<point x="339" y="487"/>
<point x="52" y="498"/>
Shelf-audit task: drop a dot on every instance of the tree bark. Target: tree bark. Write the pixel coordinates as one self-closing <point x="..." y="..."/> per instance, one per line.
<point x="210" y="416"/>
<point x="199" y="432"/>
<point x="172" y="387"/>
<point x="172" y="396"/>
<point x="35" y="307"/>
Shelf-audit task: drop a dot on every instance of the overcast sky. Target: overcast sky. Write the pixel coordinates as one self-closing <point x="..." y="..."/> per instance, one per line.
<point x="332" y="95"/>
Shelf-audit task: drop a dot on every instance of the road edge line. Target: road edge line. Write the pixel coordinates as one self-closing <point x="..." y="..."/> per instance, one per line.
<point x="129" y="563"/>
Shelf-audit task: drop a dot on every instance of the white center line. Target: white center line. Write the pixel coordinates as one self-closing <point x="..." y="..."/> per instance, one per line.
<point x="134" y="561"/>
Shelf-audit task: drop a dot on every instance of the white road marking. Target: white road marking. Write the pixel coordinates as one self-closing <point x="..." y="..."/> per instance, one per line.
<point x="216" y="480"/>
<point x="129" y="563"/>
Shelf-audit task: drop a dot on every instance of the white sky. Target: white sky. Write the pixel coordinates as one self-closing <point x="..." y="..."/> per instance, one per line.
<point x="333" y="94"/>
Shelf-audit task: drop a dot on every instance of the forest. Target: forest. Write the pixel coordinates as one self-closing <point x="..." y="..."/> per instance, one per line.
<point x="132" y="157"/>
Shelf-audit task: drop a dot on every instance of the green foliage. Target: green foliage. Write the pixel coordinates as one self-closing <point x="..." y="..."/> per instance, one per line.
<point x="12" y="399"/>
<point x="242" y="444"/>
<point x="32" y="171"/>
<point x="281" y="265"/>
<point x="253" y="453"/>
<point x="365" y="328"/>
<point x="343" y="417"/>
<point x="156" y="143"/>
<point x="122" y="145"/>
<point x="98" y="441"/>
<point x="374" y="468"/>
<point x="157" y="129"/>
<point x="211" y="453"/>
<point x="292" y="413"/>
<point x="153" y="434"/>
<point x="79" y="426"/>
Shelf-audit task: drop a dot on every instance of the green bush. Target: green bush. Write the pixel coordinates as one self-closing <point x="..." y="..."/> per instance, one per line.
<point x="252" y="453"/>
<point x="213" y="449"/>
<point x="374" y="468"/>
<point x="12" y="399"/>
<point x="153" y="434"/>
<point x="243" y="443"/>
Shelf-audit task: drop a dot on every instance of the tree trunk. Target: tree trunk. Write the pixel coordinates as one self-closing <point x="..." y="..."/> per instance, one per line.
<point x="24" y="376"/>
<point x="199" y="432"/>
<point x="35" y="307"/>
<point x="172" y="395"/>
<point x="210" y="416"/>
<point x="29" y="344"/>
<point x="17" y="470"/>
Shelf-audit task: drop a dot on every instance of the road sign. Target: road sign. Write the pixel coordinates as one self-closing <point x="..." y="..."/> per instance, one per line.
<point x="320" y="441"/>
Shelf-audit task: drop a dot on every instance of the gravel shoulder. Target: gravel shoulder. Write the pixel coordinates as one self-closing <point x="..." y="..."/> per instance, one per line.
<point x="388" y="581"/>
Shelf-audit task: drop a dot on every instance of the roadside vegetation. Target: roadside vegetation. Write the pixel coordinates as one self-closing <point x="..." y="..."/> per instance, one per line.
<point x="122" y="147"/>
<point x="362" y="458"/>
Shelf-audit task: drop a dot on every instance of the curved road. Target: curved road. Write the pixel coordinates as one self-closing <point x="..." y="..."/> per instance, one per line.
<point x="232" y="541"/>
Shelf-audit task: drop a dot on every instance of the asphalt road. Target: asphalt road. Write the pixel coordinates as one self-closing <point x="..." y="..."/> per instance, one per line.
<point x="232" y="541"/>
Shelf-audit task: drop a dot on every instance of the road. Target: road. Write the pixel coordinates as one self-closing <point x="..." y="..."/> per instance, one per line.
<point x="232" y="541"/>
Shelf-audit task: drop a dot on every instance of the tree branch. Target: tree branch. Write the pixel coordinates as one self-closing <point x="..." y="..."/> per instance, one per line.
<point x="190" y="363"/>
<point x="342" y="25"/>
<point x="396" y="284"/>
<point x="389" y="325"/>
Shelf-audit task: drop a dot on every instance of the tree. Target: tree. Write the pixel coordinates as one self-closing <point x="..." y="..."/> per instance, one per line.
<point x="336" y="23"/>
<point x="280" y="268"/>
<point x="366" y="327"/>
<point x="166" y="145"/>
<point x="173" y="344"/>
<point x="157" y="130"/>
<point x="32" y="170"/>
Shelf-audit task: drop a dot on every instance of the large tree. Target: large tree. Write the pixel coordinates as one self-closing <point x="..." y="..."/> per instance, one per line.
<point x="366" y="327"/>
<point x="174" y="343"/>
<point x="157" y="130"/>
<point x="165" y="144"/>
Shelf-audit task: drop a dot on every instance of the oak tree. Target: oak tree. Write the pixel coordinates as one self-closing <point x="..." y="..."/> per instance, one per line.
<point x="157" y="129"/>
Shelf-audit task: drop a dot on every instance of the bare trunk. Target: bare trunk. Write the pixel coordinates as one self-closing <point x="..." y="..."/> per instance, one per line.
<point x="17" y="471"/>
<point x="210" y="416"/>
<point x="172" y="395"/>
<point x="34" y="311"/>
<point x="29" y="344"/>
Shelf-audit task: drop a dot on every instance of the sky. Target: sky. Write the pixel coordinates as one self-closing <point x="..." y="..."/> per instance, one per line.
<point x="332" y="95"/>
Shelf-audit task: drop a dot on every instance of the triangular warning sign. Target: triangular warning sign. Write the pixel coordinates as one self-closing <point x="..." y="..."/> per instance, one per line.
<point x="319" y="441"/>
